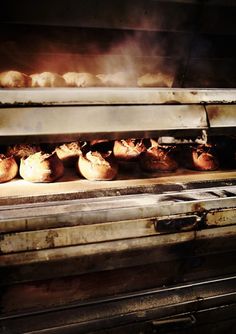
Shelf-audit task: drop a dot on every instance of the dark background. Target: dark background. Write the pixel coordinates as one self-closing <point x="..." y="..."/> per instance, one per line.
<point x="194" y="40"/>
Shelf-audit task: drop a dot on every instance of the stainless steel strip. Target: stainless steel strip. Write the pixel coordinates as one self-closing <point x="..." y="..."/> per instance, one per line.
<point x="221" y="116"/>
<point x="100" y="119"/>
<point x="55" y="96"/>
<point x="111" y="209"/>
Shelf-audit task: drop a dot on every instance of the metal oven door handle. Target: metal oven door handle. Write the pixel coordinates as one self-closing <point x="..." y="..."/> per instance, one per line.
<point x="173" y="323"/>
<point x="178" y="223"/>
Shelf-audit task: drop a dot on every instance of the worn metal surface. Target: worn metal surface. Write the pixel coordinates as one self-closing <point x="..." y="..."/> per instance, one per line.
<point x="126" y="253"/>
<point x="146" y="305"/>
<point x="83" y="120"/>
<point x="221" y="116"/>
<point x="98" y="96"/>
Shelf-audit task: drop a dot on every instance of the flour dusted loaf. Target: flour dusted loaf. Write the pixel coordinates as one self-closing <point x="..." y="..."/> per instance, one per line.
<point x="47" y="79"/>
<point x="97" y="166"/>
<point x="83" y="79"/>
<point x="41" y="167"/>
<point x="14" y="79"/>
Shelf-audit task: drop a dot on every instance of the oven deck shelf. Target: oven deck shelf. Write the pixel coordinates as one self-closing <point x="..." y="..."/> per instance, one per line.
<point x="71" y="186"/>
<point x="115" y="95"/>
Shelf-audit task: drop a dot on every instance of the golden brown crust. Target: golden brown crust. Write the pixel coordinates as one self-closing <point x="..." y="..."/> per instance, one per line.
<point x="41" y="167"/>
<point x="14" y="79"/>
<point x="128" y="150"/>
<point x="97" y="166"/>
<point x="158" y="158"/>
<point x="47" y="79"/>
<point x="22" y="151"/>
<point x="8" y="168"/>
<point x="81" y="79"/>
<point x="68" y="153"/>
<point x="204" y="158"/>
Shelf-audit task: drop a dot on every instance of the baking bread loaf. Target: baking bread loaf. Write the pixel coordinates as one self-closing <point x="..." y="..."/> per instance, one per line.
<point x="8" y="168"/>
<point x="47" y="79"/>
<point x="97" y="166"/>
<point x="68" y="153"/>
<point x="155" y="80"/>
<point x="128" y="150"/>
<point x="120" y="79"/>
<point x="14" y="79"/>
<point x="76" y="79"/>
<point x="19" y="151"/>
<point x="158" y="158"/>
<point x="203" y="157"/>
<point x="41" y="167"/>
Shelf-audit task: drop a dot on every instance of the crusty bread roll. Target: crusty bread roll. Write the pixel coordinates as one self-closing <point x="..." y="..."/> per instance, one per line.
<point x="68" y="153"/>
<point x="41" y="167"/>
<point x="22" y="151"/>
<point x="14" y="79"/>
<point x="158" y="158"/>
<point x="155" y="80"/>
<point x="76" y="79"/>
<point x="121" y="79"/>
<point x="8" y="168"/>
<point x="128" y="150"/>
<point x="47" y="79"/>
<point x="203" y="157"/>
<point x="97" y="166"/>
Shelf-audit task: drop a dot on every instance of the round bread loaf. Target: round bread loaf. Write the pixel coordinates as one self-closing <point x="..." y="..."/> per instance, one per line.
<point x="128" y="150"/>
<point x="14" y="79"/>
<point x="22" y="151"/>
<point x="8" y="168"/>
<point x="203" y="157"/>
<point x="158" y="158"/>
<point x="155" y="80"/>
<point x="41" y="167"/>
<point x="97" y="166"/>
<point x="68" y="153"/>
<point x="47" y="79"/>
<point x="76" y="79"/>
<point x="120" y="79"/>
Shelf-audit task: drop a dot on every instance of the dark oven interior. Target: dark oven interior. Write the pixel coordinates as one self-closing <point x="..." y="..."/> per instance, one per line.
<point x="192" y="41"/>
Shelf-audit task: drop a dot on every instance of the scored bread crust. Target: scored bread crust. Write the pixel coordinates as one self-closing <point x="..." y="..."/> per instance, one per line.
<point x="8" y="168"/>
<point x="128" y="150"/>
<point x="158" y="159"/>
<point x="22" y="150"/>
<point x="41" y="167"/>
<point x="204" y="158"/>
<point x="97" y="166"/>
<point x="68" y="153"/>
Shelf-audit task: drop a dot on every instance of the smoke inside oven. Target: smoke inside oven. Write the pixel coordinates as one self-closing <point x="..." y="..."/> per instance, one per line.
<point x="133" y="52"/>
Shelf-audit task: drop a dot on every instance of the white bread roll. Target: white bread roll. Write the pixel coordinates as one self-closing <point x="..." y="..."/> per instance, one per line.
<point x="41" y="167"/>
<point x="76" y="79"/>
<point x="14" y="79"/>
<point x="47" y="79"/>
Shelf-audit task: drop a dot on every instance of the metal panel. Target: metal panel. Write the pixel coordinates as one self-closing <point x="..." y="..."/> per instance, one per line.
<point x="221" y="116"/>
<point x="53" y="96"/>
<point x="119" y="310"/>
<point x="102" y="119"/>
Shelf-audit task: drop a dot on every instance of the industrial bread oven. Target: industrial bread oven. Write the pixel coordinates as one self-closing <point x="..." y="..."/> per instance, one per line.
<point x="145" y="252"/>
